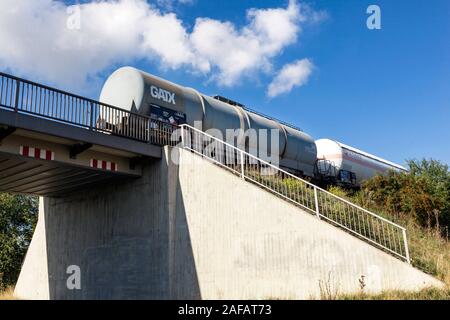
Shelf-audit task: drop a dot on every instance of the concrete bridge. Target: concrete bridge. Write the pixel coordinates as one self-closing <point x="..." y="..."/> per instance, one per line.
<point x="143" y="219"/>
<point x="53" y="143"/>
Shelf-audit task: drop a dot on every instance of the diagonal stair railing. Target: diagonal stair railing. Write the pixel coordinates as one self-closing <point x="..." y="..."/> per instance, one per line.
<point x="362" y="223"/>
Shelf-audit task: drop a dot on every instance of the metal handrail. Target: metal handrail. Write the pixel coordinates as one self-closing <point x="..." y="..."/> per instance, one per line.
<point x="5" y="75"/>
<point x="361" y="222"/>
<point x="24" y="96"/>
<point x="289" y="174"/>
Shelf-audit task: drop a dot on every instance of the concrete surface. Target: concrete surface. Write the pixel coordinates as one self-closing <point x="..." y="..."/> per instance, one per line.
<point x="196" y="231"/>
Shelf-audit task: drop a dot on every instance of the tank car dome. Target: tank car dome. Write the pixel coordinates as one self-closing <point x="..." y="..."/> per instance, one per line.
<point x="124" y="88"/>
<point x="327" y="147"/>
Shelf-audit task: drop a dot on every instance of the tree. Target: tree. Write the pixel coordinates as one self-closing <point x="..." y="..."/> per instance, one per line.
<point x="423" y="193"/>
<point x="18" y="217"/>
<point x="436" y="176"/>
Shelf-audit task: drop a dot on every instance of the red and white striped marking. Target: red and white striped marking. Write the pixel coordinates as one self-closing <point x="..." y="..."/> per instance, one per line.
<point x="37" y="153"/>
<point x="102" y="164"/>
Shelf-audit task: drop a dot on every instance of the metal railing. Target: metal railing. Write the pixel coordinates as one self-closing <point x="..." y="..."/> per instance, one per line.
<point x="28" y="97"/>
<point x="358" y="221"/>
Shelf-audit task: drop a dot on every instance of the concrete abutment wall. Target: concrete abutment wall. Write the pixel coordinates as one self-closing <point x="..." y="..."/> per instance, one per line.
<point x="194" y="231"/>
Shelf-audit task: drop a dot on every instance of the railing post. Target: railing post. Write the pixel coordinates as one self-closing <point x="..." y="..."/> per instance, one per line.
<point x="182" y="135"/>
<point x="405" y="241"/>
<point x="316" y="202"/>
<point x="16" y="101"/>
<point x="91" y="118"/>
<point x="242" y="165"/>
<point x="150" y="130"/>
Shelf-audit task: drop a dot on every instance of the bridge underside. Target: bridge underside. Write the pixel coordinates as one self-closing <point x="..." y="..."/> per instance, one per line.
<point x="39" y="177"/>
<point x="49" y="158"/>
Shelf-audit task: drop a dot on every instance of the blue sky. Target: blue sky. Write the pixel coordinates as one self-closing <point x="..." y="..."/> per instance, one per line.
<point x="384" y="91"/>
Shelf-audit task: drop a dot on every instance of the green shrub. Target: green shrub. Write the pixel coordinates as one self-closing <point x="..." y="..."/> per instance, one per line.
<point x="423" y="193"/>
<point x="338" y="191"/>
<point x="18" y="216"/>
<point x="419" y="200"/>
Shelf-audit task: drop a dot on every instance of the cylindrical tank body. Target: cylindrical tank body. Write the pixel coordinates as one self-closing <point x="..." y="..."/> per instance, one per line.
<point x="300" y="151"/>
<point x="137" y="91"/>
<point x="270" y="137"/>
<point x="346" y="159"/>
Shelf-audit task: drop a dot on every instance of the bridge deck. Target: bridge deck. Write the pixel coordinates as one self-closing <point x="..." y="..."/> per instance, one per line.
<point x="59" y="174"/>
<point x="73" y="133"/>
<point x="54" y="142"/>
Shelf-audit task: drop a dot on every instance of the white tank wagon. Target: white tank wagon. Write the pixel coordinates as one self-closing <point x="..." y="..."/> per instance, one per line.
<point x="347" y="165"/>
<point x="140" y="92"/>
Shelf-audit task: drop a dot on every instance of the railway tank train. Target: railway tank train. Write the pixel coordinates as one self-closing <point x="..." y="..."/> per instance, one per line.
<point x="338" y="163"/>
<point x="323" y="160"/>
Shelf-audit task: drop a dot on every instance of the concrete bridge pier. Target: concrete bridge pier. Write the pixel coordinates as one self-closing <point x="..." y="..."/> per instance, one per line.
<point x="193" y="230"/>
<point x="129" y="240"/>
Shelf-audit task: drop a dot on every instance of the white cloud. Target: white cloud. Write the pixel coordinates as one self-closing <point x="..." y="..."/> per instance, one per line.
<point x="237" y="52"/>
<point x="170" y="4"/>
<point x="292" y="75"/>
<point x="38" y="44"/>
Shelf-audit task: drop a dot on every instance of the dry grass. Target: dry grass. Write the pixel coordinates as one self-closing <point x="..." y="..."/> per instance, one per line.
<point x="429" y="251"/>
<point x="424" y="294"/>
<point x="328" y="289"/>
<point x="7" y="294"/>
